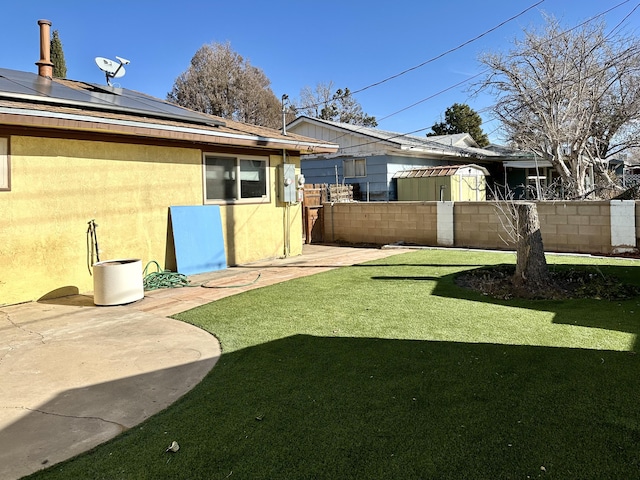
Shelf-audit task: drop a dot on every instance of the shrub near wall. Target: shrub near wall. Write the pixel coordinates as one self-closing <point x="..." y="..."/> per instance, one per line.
<point x="580" y="227"/>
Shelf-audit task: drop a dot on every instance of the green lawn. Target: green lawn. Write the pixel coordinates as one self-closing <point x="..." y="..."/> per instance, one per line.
<point x="389" y="370"/>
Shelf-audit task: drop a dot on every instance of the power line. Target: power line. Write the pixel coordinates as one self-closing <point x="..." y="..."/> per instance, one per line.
<point x="451" y="87"/>
<point x="590" y="19"/>
<point x="433" y="59"/>
<point x="486" y="70"/>
<point x="624" y="19"/>
<point x="470" y="78"/>
<point x="464" y="44"/>
<point x="417" y="103"/>
<point x="593" y="18"/>
<point x="486" y="32"/>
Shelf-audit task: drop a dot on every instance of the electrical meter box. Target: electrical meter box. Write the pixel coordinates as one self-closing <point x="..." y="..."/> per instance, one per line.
<point x="287" y="183"/>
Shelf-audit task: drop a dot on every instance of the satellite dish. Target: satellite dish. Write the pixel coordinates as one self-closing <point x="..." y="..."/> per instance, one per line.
<point x="110" y="68"/>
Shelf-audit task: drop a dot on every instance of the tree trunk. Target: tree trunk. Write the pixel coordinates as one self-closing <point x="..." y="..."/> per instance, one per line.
<point x="531" y="264"/>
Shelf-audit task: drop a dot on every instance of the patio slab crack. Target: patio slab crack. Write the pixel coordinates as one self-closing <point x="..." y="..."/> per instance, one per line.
<point x="9" y="347"/>
<point x="73" y="417"/>
<point x="19" y="327"/>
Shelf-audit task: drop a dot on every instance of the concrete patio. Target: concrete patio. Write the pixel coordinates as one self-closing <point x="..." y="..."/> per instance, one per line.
<point x="75" y="375"/>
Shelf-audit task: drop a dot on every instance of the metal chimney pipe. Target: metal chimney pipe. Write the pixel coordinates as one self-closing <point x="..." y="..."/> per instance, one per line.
<point x="45" y="67"/>
<point x="285" y="97"/>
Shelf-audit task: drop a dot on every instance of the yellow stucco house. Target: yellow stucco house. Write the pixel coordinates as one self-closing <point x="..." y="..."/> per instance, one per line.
<point x="72" y="152"/>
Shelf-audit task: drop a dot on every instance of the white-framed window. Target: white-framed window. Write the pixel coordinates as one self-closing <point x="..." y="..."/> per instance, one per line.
<point x="356" y="167"/>
<point x="236" y="179"/>
<point x="5" y="171"/>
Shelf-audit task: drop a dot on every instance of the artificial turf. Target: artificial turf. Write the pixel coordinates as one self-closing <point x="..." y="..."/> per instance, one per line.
<point x="391" y="370"/>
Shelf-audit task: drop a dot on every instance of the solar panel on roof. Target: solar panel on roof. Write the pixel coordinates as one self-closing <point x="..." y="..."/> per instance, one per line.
<point x="16" y="84"/>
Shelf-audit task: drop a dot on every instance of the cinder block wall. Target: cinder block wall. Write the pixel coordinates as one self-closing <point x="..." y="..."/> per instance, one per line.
<point x="381" y="223"/>
<point x="477" y="225"/>
<point x="580" y="227"/>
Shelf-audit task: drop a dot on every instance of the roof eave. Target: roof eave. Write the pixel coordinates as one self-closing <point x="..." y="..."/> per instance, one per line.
<point x="40" y="119"/>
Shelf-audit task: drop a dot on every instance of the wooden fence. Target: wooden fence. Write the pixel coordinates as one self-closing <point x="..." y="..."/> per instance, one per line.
<point x="314" y="196"/>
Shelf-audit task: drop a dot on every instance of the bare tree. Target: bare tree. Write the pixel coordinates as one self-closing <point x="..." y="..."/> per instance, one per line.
<point x="570" y="97"/>
<point x="220" y="82"/>
<point x="337" y="106"/>
<point x="521" y="227"/>
<point x="531" y="264"/>
<point x="313" y="100"/>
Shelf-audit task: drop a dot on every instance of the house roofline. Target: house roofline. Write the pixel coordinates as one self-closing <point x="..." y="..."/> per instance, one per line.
<point x="337" y="126"/>
<point x="429" y="155"/>
<point x="69" y="121"/>
<point x="426" y="146"/>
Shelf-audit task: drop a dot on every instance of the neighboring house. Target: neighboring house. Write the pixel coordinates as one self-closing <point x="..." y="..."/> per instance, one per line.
<point x="528" y="176"/>
<point x="369" y="158"/>
<point x="627" y="169"/>
<point x="71" y="152"/>
<point x="523" y="174"/>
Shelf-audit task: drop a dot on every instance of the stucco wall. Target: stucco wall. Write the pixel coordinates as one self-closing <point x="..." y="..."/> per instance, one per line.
<point x="58" y="185"/>
<point x="581" y="227"/>
<point x="256" y="231"/>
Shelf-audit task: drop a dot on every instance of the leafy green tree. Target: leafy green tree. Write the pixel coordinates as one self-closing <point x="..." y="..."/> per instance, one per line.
<point x="338" y="106"/>
<point x="460" y="118"/>
<point x="220" y="82"/>
<point x="57" y="57"/>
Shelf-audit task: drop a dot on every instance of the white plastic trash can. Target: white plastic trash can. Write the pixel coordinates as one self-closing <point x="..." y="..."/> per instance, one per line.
<point x="116" y="282"/>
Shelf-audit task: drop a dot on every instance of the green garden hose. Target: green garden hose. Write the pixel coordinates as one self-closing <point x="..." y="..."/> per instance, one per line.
<point x="167" y="279"/>
<point x="163" y="278"/>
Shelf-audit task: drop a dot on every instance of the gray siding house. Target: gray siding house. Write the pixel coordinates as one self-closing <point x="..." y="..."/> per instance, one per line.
<point x="369" y="158"/>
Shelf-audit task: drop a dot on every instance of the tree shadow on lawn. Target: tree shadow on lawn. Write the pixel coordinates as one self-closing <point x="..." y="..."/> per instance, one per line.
<point x="321" y="407"/>
<point x="615" y="315"/>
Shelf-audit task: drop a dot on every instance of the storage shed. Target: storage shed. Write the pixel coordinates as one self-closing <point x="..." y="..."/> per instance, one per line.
<point x="456" y="183"/>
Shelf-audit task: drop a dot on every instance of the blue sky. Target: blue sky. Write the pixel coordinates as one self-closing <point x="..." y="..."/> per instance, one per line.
<point x="300" y="43"/>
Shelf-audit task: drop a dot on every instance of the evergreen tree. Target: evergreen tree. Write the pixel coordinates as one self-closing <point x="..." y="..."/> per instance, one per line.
<point x="460" y="118"/>
<point x="57" y="57"/>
